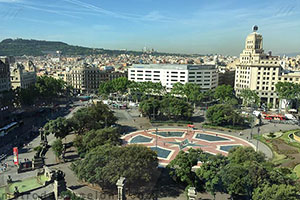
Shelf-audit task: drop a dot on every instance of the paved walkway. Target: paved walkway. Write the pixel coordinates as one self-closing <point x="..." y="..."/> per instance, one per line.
<point x="169" y="141"/>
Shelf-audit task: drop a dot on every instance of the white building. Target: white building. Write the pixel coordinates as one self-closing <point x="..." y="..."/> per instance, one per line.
<point x="205" y="76"/>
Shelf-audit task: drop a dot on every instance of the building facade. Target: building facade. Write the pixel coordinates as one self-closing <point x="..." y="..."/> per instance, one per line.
<point x="23" y="76"/>
<point x="4" y="74"/>
<point x="86" y="78"/>
<point x="205" y="76"/>
<point x="259" y="71"/>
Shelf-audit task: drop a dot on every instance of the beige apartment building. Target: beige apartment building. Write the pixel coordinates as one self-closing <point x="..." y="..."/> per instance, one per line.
<point x="86" y="78"/>
<point x="23" y="75"/>
<point x="4" y="74"/>
<point x="259" y="71"/>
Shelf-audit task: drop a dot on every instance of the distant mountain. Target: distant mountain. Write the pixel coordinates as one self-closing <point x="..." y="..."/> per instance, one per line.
<point x="20" y="47"/>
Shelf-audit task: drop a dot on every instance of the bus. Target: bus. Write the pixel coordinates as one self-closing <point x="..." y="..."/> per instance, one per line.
<point x="9" y="127"/>
<point x="274" y="117"/>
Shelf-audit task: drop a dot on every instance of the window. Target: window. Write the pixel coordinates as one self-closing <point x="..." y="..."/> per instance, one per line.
<point x="192" y="72"/>
<point x="174" y="72"/>
<point x="191" y="76"/>
<point x="139" y="74"/>
<point x="139" y="71"/>
<point x="156" y="72"/>
<point x="182" y="72"/>
<point x="132" y="70"/>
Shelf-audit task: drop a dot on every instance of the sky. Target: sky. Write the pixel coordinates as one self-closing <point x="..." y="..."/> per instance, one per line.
<point x="179" y="26"/>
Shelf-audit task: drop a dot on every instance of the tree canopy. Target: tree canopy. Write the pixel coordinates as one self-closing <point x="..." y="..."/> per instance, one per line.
<point x="224" y="93"/>
<point x="224" y="115"/>
<point x="104" y="165"/>
<point x="167" y="108"/>
<point x="250" y="97"/>
<point x="95" y="117"/>
<point x="95" y="138"/>
<point x="60" y="127"/>
<point x="181" y="166"/>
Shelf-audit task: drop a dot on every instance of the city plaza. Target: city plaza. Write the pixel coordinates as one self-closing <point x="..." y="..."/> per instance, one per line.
<point x="167" y="142"/>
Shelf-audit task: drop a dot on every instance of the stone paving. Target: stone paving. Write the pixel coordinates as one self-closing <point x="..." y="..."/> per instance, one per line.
<point x="168" y="142"/>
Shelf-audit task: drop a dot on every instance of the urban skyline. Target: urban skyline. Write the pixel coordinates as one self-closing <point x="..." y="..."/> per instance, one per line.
<point x="170" y="26"/>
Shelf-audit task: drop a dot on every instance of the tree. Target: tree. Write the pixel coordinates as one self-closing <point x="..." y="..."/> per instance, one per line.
<point x="120" y="85"/>
<point x="275" y="192"/>
<point x="104" y="165"/>
<point x="150" y="107"/>
<point x="223" y="115"/>
<point x="224" y="93"/>
<point x="7" y="98"/>
<point x="95" y="117"/>
<point x="57" y="147"/>
<point x="105" y="88"/>
<point x="49" y="87"/>
<point x="178" y="89"/>
<point x="60" y="127"/>
<point x="209" y="172"/>
<point x="176" y="108"/>
<point x="94" y="138"/>
<point x="193" y="93"/>
<point x="26" y="97"/>
<point x="287" y="91"/>
<point x="235" y="179"/>
<point x="181" y="166"/>
<point x="250" y="97"/>
<point x="240" y="155"/>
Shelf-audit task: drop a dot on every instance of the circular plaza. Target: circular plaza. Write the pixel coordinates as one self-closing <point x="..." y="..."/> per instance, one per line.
<point x="167" y="142"/>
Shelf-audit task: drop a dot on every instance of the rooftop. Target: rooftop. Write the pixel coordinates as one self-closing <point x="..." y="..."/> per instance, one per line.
<point x="173" y="66"/>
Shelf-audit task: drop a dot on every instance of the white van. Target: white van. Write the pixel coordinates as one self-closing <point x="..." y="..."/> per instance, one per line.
<point x="290" y="116"/>
<point x="256" y="113"/>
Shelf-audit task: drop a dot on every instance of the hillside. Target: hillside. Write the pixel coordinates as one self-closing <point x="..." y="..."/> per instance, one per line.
<point x="20" y="47"/>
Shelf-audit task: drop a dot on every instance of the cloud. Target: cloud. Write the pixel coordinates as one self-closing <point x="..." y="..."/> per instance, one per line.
<point x="152" y="16"/>
<point x="11" y="1"/>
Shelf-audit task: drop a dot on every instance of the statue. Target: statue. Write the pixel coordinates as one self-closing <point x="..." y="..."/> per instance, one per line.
<point x="59" y="175"/>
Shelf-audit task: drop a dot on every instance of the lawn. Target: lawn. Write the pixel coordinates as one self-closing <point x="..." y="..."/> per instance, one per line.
<point x="297" y="170"/>
<point x="283" y="149"/>
<point x="2" y="193"/>
<point x="24" y="185"/>
<point x="277" y="158"/>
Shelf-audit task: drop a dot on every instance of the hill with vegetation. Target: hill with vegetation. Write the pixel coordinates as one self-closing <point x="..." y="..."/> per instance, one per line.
<point x="20" y="47"/>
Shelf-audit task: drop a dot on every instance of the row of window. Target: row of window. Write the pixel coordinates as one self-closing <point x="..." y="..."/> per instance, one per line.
<point x="190" y="77"/>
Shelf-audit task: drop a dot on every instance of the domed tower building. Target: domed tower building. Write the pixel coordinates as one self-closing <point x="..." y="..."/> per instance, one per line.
<point x="257" y="70"/>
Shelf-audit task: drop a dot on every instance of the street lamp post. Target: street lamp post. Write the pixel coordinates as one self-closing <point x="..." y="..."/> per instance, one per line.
<point x="258" y="130"/>
<point x="156" y="139"/>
